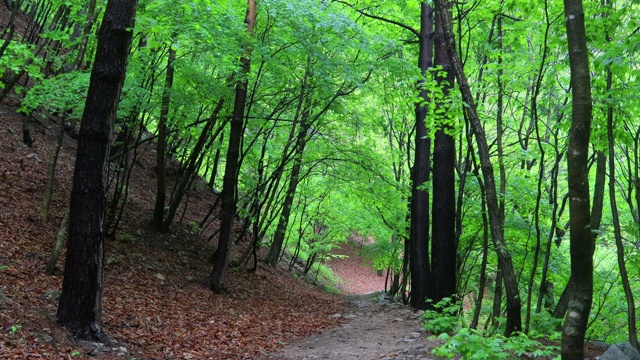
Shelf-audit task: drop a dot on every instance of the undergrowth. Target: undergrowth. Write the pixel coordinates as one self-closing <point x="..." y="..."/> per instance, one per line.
<point x="445" y="322"/>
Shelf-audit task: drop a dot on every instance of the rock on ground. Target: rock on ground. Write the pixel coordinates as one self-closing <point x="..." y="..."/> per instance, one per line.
<point x="621" y="352"/>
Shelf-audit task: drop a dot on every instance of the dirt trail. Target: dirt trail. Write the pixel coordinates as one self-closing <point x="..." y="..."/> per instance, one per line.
<point x="375" y="329"/>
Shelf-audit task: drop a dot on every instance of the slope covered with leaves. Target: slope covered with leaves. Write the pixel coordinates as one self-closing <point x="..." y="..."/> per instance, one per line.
<point x="156" y="303"/>
<point x="356" y="276"/>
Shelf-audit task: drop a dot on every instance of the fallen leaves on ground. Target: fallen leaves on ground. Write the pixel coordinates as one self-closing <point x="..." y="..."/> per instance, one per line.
<point x="156" y="302"/>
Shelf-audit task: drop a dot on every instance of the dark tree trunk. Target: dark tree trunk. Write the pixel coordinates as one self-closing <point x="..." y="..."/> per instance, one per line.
<point x="80" y="306"/>
<point x="419" y="232"/>
<point x="193" y="163"/>
<point x="482" y="282"/>
<point x="596" y="218"/>
<point x="514" y="304"/>
<point x="218" y="276"/>
<point x="161" y="146"/>
<point x="582" y="246"/>
<point x="51" y="175"/>
<point x="278" y="239"/>
<point x="624" y="277"/>
<point x="301" y="140"/>
<point x="443" y="246"/>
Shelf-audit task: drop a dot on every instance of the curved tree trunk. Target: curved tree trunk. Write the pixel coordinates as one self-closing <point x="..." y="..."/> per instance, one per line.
<point x="624" y="277"/>
<point x="80" y="306"/>
<point x="582" y="246"/>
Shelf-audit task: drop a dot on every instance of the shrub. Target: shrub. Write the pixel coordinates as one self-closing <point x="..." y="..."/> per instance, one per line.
<point x="470" y="344"/>
<point x="444" y="317"/>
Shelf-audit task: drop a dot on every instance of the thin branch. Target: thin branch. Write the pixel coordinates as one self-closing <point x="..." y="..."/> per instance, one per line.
<point x="376" y="17"/>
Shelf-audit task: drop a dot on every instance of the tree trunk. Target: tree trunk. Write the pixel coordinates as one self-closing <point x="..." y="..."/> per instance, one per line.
<point x="514" y="304"/>
<point x="192" y="165"/>
<point x="51" y="175"/>
<point x="419" y="232"/>
<point x="443" y="247"/>
<point x="624" y="277"/>
<point x="161" y="146"/>
<point x="218" y="276"/>
<point x="62" y="231"/>
<point x="582" y="246"/>
<point x="482" y="282"/>
<point x="80" y="306"/>
<point x="278" y="238"/>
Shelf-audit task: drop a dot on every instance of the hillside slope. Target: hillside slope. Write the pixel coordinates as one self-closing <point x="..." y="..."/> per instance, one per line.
<point x="156" y="304"/>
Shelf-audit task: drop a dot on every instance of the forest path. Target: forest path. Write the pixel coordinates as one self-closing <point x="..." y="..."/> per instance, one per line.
<point x="374" y="327"/>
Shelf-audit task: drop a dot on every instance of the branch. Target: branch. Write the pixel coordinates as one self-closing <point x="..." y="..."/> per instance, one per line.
<point x="376" y="17"/>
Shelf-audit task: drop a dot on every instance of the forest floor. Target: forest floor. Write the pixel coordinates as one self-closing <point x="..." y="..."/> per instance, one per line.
<point x="156" y="302"/>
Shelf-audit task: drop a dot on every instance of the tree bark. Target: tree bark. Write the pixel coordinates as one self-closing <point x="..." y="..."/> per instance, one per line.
<point x="161" y="146"/>
<point x="301" y="140"/>
<point x="514" y="303"/>
<point x="582" y="246"/>
<point x="80" y="306"/>
<point x="443" y="246"/>
<point x="217" y="279"/>
<point x="51" y="175"/>
<point x="421" y="288"/>
<point x="62" y="231"/>
<point x="624" y="277"/>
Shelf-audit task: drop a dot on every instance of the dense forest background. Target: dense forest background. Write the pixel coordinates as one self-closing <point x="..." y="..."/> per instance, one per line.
<point x="324" y="120"/>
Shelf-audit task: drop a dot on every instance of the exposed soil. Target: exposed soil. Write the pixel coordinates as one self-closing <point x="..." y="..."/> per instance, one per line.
<point x="376" y="329"/>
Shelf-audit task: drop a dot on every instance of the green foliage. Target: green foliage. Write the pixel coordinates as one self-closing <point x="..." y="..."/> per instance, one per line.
<point x="13" y="329"/>
<point x="18" y="57"/>
<point x="331" y="289"/>
<point x="194" y="227"/>
<point x="470" y="344"/>
<point x="64" y="94"/>
<point x="444" y="318"/>
<point x="545" y="325"/>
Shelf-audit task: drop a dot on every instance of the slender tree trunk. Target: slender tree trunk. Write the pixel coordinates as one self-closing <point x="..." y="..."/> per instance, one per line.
<point x="596" y="218"/>
<point x="80" y="306"/>
<point x="443" y="247"/>
<point x="624" y="277"/>
<point x="421" y="288"/>
<point x="51" y="175"/>
<point x="62" y="231"/>
<point x="483" y="266"/>
<point x="92" y="14"/>
<point x="218" y="276"/>
<point x="161" y="146"/>
<point x="14" y="7"/>
<point x="278" y="238"/>
<point x="192" y="165"/>
<point x="514" y="304"/>
<point x="582" y="246"/>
